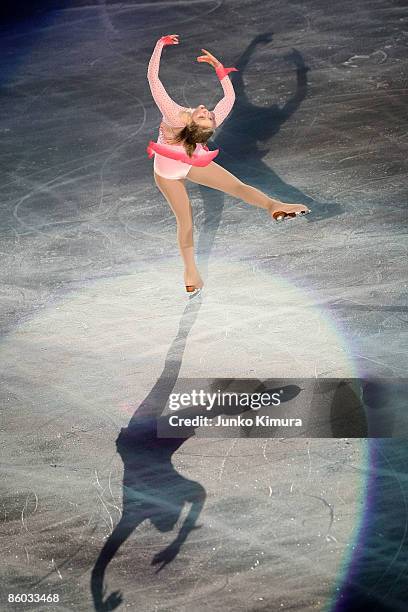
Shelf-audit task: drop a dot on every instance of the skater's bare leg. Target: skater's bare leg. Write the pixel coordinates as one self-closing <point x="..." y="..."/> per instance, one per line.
<point x="217" y="177"/>
<point x="175" y="192"/>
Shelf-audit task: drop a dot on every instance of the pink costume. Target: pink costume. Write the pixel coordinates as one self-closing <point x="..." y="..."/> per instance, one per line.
<point x="171" y="160"/>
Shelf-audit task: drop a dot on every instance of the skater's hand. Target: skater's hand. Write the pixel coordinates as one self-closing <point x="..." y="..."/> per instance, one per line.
<point x="165" y="556"/>
<point x="170" y="39"/>
<point x="263" y="38"/>
<point x="297" y="58"/>
<point x="113" y="601"/>
<point x="110" y="603"/>
<point x="209" y="59"/>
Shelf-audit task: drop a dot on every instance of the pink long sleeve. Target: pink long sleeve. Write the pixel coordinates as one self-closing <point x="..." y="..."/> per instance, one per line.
<point x="169" y="109"/>
<point x="224" y="106"/>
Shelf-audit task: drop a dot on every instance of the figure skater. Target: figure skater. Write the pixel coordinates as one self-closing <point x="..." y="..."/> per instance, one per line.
<point x="181" y="152"/>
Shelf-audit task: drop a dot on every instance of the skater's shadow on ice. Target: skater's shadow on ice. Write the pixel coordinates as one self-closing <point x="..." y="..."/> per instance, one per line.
<point x="243" y="141"/>
<point x="153" y="490"/>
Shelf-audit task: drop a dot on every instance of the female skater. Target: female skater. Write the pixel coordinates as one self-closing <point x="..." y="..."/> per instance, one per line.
<point x="181" y="152"/>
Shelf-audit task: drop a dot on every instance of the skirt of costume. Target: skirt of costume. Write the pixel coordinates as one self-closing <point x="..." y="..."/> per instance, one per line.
<point x="172" y="161"/>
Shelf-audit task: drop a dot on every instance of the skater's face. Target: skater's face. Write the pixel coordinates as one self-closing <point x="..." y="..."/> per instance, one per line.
<point x="203" y="117"/>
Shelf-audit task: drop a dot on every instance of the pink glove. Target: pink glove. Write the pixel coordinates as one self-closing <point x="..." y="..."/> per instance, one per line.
<point x="168" y="40"/>
<point x="221" y="72"/>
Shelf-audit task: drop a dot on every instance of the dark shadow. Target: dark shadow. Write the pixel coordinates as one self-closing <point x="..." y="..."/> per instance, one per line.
<point x="152" y="488"/>
<point x="21" y="26"/>
<point x="243" y="142"/>
<point x="376" y="573"/>
<point x="15" y="11"/>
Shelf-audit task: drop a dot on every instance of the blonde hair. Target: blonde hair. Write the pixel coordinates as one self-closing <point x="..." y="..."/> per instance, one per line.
<point x="192" y="134"/>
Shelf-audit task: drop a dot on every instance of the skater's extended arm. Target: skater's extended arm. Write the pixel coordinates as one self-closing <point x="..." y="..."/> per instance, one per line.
<point x="224" y="106"/>
<point x="169" y="109"/>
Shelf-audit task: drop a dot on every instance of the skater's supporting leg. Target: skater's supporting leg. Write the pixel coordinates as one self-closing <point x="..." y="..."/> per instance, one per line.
<point x="176" y="195"/>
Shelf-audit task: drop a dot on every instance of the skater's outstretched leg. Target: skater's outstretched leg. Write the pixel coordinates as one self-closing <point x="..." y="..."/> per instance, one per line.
<point x="217" y="177"/>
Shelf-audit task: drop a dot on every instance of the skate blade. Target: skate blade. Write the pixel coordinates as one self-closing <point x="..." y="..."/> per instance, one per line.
<point x="193" y="294"/>
<point x="281" y="215"/>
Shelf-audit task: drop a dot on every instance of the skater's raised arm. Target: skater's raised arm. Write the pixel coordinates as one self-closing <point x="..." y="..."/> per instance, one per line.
<point x="224" y="106"/>
<point x="169" y="109"/>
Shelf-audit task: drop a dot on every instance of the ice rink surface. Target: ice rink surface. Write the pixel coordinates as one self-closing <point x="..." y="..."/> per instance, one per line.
<point x="96" y="326"/>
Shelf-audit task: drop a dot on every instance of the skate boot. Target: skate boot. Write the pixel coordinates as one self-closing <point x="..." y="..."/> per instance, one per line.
<point x="280" y="215"/>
